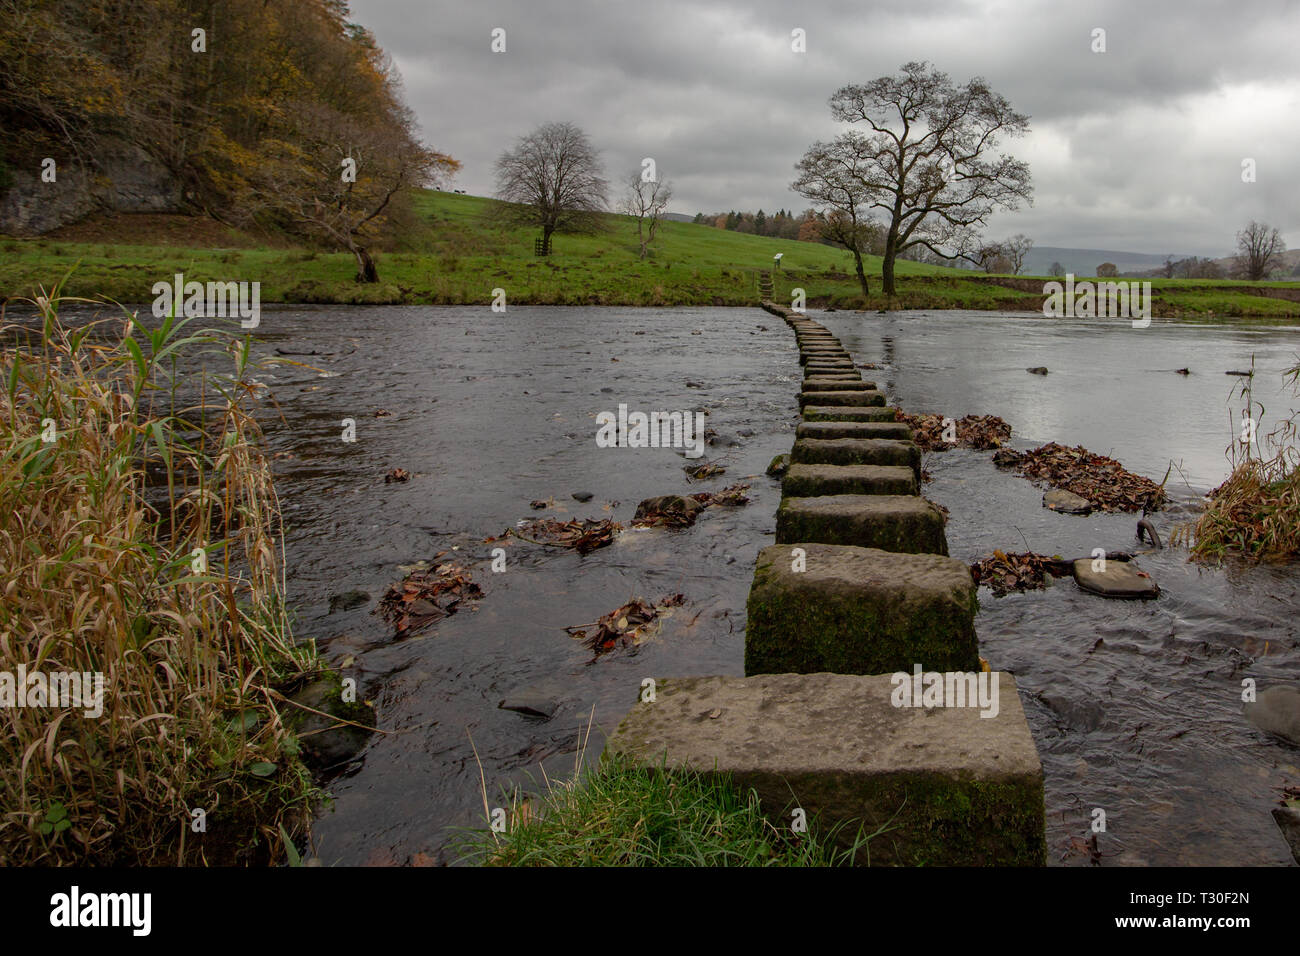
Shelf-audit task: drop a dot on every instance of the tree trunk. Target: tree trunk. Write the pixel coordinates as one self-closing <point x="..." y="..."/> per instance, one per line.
<point x="862" y="275"/>
<point x="366" y="271"/>
<point x="887" y="266"/>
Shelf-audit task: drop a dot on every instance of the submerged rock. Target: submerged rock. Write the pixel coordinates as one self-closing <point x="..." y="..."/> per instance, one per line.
<point x="1121" y="579"/>
<point x="1276" y="710"/>
<point x="348" y="600"/>
<point x="583" y="496"/>
<point x="1037" y="370"/>
<point x="778" y="466"/>
<point x="324" y="741"/>
<point x="530" y="704"/>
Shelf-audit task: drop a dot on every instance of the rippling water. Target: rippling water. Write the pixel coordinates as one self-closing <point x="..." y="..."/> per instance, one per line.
<point x="1134" y="707"/>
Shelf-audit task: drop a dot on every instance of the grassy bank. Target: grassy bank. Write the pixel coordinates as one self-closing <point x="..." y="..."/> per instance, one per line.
<point x="460" y="255"/>
<point x="140" y="544"/>
<point x="617" y="814"/>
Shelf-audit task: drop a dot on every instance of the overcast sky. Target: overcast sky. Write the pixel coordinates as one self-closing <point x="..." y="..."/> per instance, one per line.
<point x="1138" y="148"/>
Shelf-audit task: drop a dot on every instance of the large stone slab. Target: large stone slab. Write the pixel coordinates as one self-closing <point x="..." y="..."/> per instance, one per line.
<point x="841" y="398"/>
<point x="856" y="451"/>
<point x="810" y="481"/>
<point x="855" y="610"/>
<point x="889" y="522"/>
<point x="847" y="413"/>
<point x="825" y="358"/>
<point x="840" y="375"/>
<point x="827" y="430"/>
<point x="947" y="786"/>
<point x="838" y="383"/>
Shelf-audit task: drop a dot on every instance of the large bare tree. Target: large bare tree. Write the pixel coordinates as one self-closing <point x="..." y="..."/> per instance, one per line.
<point x="554" y="177"/>
<point x="646" y="201"/>
<point x="1260" y="249"/>
<point x="929" y="163"/>
<point x="341" y="176"/>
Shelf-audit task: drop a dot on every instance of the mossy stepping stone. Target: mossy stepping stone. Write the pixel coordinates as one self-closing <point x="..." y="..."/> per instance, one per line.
<point x="810" y="481"/>
<point x="827" y="430"/>
<point x="846" y="413"/>
<point x="901" y="523"/>
<point x="841" y="398"/>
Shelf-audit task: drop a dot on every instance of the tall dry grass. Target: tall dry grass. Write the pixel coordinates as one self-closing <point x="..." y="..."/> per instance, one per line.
<point x="1255" y="514"/>
<point x="104" y="534"/>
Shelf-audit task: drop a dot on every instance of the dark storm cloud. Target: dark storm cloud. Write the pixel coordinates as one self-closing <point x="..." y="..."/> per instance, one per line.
<point x="1139" y="147"/>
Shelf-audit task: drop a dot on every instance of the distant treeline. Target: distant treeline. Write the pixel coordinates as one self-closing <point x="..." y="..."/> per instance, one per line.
<point x="782" y="224"/>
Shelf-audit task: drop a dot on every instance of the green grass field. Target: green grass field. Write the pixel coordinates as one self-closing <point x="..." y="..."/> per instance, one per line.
<point x="460" y="256"/>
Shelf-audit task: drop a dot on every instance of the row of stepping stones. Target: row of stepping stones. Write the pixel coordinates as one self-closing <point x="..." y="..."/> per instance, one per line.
<point x="864" y="704"/>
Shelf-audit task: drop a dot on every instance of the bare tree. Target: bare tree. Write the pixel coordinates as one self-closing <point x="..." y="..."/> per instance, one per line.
<point x="928" y="163"/>
<point x="339" y="181"/>
<point x="1260" y="248"/>
<point x="646" y="201"/>
<point x="1016" y="248"/>
<point x="554" y="177"/>
<point x="835" y="176"/>
<point x="1056" y="269"/>
<point x="992" y="257"/>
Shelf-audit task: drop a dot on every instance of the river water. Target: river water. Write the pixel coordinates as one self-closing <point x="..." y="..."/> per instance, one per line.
<point x="1135" y="707"/>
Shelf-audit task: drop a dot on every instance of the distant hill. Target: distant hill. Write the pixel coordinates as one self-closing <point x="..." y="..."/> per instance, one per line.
<point x="1085" y="261"/>
<point x="678" y="217"/>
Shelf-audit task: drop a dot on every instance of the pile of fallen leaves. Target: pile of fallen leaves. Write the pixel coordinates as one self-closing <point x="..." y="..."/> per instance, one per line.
<point x="980" y="432"/>
<point x="634" y="622"/>
<point x="1101" y="480"/>
<point x="582" y="535"/>
<point x="425" y="596"/>
<point x="1005" y="573"/>
<point x="397" y="474"/>
<point x="731" y="495"/>
<point x="709" y="469"/>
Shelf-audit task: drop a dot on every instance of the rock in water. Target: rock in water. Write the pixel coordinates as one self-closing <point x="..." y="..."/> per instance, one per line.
<point x="530" y="705"/>
<point x="1037" y="370"/>
<point x="778" y="466"/>
<point x="583" y="496"/>
<point x="1121" y="579"/>
<point x="1066" y="502"/>
<point x="1276" y="710"/>
<point x="348" y="600"/>
<point x="1288" y="821"/>
<point x="325" y="742"/>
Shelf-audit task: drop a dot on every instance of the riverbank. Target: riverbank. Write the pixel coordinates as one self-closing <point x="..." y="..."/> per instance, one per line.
<point x="459" y="256"/>
<point x="146" y="656"/>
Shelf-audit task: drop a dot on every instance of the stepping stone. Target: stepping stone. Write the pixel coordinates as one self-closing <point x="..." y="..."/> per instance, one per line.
<point x="856" y="451"/>
<point x="1121" y="579"/>
<point x="902" y="523"/>
<point x="825" y="430"/>
<point x="821" y="368"/>
<point x="846" y="413"/>
<point x="952" y="787"/>
<point x="857" y="399"/>
<point x="810" y="481"/>
<point x="1065" y="502"/>
<point x="858" y="610"/>
<point x="825" y="358"/>
<point x="817" y="383"/>
<point x="1276" y="710"/>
